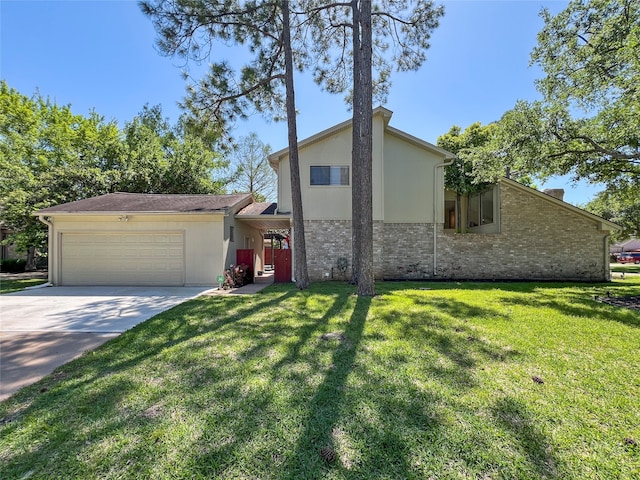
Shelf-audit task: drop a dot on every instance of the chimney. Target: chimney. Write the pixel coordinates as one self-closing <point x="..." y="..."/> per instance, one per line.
<point x="555" y="193"/>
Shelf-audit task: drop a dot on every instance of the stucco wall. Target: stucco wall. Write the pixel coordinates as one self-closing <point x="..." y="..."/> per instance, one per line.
<point x="204" y="251"/>
<point x="244" y="237"/>
<point x="332" y="202"/>
<point x="409" y="182"/>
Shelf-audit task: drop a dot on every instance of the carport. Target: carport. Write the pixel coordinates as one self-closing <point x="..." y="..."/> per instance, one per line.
<point x="266" y="218"/>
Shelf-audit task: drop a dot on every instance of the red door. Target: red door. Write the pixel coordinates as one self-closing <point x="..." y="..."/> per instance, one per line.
<point x="282" y="266"/>
<point x="245" y="256"/>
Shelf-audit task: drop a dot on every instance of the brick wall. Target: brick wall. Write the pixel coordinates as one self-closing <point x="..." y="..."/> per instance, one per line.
<point x="538" y="240"/>
<point x="328" y="240"/>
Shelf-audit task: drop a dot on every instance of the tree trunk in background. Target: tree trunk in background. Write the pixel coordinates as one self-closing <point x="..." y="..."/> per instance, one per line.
<point x="30" y="265"/>
<point x="299" y="245"/>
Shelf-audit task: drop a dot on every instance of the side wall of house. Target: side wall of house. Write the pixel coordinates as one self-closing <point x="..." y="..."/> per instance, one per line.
<point x="538" y="240"/>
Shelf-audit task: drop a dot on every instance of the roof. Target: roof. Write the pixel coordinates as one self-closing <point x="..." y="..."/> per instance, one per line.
<point x="150" y="203"/>
<point x="259" y="209"/>
<point x="602" y="223"/>
<point x="264" y="216"/>
<point x="385" y="113"/>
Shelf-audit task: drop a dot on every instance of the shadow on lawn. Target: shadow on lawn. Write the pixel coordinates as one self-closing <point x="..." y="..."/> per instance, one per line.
<point x="95" y="389"/>
<point x="265" y="393"/>
<point x="513" y="416"/>
<point x="581" y="304"/>
<point x="306" y="460"/>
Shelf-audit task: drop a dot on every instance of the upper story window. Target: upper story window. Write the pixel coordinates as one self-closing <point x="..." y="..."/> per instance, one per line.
<point x="481" y="208"/>
<point x="329" y="175"/>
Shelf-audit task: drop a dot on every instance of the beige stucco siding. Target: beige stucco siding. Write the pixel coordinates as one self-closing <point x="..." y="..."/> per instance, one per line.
<point x="204" y="250"/>
<point x="244" y="237"/>
<point x="409" y="182"/>
<point x="332" y="202"/>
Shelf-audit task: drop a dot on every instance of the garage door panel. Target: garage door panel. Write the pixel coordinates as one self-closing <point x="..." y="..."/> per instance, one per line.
<point x="150" y="258"/>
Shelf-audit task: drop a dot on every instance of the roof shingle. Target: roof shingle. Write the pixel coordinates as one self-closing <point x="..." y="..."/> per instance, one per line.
<point x="150" y="203"/>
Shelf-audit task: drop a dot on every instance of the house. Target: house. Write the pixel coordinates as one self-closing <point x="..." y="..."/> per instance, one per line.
<point x="514" y="232"/>
<point x="146" y="239"/>
<point x="629" y="245"/>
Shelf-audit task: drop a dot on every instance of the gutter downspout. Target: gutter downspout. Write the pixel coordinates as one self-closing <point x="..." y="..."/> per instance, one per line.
<point x="447" y="162"/>
<point x="607" y="258"/>
<point x="49" y="244"/>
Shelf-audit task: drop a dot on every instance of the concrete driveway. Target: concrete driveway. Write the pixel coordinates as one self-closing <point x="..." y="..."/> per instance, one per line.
<point x="43" y="328"/>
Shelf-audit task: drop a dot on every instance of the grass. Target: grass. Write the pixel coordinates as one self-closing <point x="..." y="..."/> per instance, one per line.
<point x="625" y="267"/>
<point x="8" y="286"/>
<point x="426" y="380"/>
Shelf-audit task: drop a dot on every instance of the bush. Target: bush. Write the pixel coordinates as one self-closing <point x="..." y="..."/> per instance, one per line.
<point x="12" y="265"/>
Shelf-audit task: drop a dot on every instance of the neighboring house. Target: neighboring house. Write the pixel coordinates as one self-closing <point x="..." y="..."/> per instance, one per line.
<point x="144" y="239"/>
<point x="511" y="232"/>
<point x="633" y="244"/>
<point x="514" y="232"/>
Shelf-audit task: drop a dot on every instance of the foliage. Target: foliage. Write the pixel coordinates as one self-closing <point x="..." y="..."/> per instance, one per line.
<point x="49" y="156"/>
<point x="165" y="159"/>
<point x="12" y="265"/>
<point x="412" y="383"/>
<point x="587" y="124"/>
<point x="400" y="31"/>
<point x="622" y="208"/>
<point x="237" y="276"/>
<point x="250" y="165"/>
<point x="459" y="176"/>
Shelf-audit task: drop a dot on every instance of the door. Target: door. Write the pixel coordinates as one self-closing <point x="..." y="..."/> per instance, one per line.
<point x="282" y="266"/>
<point x="144" y="258"/>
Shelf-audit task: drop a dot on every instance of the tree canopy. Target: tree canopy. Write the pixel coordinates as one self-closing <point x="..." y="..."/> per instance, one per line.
<point x="588" y="124"/>
<point x="250" y="168"/>
<point x="49" y="156"/>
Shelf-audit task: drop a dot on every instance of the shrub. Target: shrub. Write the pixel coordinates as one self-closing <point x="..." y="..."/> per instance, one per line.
<point x="12" y="265"/>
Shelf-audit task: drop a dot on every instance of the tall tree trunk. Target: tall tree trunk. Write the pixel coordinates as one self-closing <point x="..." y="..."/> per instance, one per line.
<point x="356" y="147"/>
<point x="362" y="189"/>
<point x="299" y="245"/>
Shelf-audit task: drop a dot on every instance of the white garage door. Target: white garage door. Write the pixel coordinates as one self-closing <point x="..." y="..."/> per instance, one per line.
<point x="144" y="258"/>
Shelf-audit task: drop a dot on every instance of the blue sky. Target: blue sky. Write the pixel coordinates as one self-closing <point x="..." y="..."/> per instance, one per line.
<point x="100" y="54"/>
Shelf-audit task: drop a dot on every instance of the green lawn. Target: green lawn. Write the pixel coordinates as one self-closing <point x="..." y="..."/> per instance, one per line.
<point x="625" y="267"/>
<point x="8" y="286"/>
<point x="426" y="380"/>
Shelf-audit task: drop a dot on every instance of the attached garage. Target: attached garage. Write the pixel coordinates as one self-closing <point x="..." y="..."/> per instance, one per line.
<point x="146" y="239"/>
<point x="142" y="258"/>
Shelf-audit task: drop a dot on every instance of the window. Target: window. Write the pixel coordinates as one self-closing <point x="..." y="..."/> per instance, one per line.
<point x="449" y="214"/>
<point x="329" y="175"/>
<point x="481" y="208"/>
<point x="231" y="234"/>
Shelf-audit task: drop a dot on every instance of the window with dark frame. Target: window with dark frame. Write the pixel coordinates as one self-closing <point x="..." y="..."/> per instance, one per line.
<point x="329" y="175"/>
<point x="231" y="239"/>
<point x="480" y="210"/>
